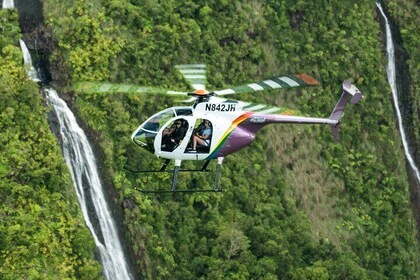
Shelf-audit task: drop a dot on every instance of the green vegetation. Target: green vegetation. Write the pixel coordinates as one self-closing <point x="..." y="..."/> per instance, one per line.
<point x="43" y="235"/>
<point x="299" y="206"/>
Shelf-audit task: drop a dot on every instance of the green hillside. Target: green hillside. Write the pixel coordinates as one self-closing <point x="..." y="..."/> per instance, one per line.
<point x="296" y="204"/>
<point x="42" y="232"/>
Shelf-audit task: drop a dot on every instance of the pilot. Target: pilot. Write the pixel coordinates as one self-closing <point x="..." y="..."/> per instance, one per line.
<point x="167" y="132"/>
<point x="202" y="137"/>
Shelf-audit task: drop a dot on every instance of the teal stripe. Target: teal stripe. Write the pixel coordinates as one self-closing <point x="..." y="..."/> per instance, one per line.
<point x="264" y="85"/>
<point x="243" y="88"/>
<point x="280" y="82"/>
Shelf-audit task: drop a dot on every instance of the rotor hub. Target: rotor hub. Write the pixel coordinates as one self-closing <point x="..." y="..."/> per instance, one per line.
<point x="201" y="92"/>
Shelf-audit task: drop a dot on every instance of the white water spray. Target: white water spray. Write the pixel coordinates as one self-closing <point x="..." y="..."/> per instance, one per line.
<point x="27" y="62"/>
<point x="81" y="162"/>
<point x="8" y="4"/>
<point x="392" y="82"/>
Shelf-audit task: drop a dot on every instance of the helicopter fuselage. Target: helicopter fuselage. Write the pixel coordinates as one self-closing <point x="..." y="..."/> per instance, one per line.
<point x="231" y="130"/>
<point x="233" y="126"/>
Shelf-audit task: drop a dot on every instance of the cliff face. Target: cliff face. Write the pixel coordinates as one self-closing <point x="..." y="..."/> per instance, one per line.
<point x="406" y="84"/>
<point x="405" y="19"/>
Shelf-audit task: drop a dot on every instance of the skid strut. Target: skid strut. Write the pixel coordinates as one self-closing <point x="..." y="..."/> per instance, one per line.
<point x="218" y="172"/>
<point x="175" y="175"/>
<point x="176" y="170"/>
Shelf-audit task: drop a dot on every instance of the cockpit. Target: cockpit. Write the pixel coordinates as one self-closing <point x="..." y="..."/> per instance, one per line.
<point x="146" y="133"/>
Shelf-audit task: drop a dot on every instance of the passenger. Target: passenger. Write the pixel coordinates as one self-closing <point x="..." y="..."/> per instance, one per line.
<point x="176" y="136"/>
<point x="202" y="137"/>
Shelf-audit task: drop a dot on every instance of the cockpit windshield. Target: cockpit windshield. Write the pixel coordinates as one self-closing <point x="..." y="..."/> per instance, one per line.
<point x="158" y="120"/>
<point x="184" y="111"/>
<point x="145" y="135"/>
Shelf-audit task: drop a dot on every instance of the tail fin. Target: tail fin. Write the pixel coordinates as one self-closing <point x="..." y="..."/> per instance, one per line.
<point x="350" y="92"/>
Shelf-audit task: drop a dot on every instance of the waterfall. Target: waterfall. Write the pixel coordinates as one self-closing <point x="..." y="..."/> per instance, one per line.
<point x="27" y="62"/>
<point x="81" y="162"/>
<point x="8" y="4"/>
<point x="391" y="72"/>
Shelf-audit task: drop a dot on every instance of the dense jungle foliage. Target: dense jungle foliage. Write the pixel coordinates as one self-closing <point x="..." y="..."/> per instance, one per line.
<point x="42" y="232"/>
<point x="299" y="206"/>
<point x="296" y="205"/>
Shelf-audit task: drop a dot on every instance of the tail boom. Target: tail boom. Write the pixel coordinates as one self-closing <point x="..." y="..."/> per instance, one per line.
<point x="350" y="94"/>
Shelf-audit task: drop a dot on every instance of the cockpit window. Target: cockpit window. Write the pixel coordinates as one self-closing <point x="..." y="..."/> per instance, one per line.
<point x="154" y="123"/>
<point x="183" y="111"/>
<point x="145" y="136"/>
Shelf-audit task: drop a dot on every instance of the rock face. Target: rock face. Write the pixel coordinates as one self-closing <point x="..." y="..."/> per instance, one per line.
<point x="406" y="100"/>
<point x="406" y="97"/>
<point x="40" y="42"/>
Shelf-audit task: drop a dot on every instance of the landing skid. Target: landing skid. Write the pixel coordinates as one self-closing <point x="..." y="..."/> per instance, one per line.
<point x="176" y="171"/>
<point x="178" y="191"/>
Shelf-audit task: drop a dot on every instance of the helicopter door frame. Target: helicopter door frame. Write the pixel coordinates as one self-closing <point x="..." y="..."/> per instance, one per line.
<point x="178" y="152"/>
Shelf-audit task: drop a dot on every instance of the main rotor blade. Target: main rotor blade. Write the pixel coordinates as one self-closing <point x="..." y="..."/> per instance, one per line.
<point x="189" y="100"/>
<point x="269" y="109"/>
<point x="96" y="87"/>
<point x="194" y="74"/>
<point x="298" y="80"/>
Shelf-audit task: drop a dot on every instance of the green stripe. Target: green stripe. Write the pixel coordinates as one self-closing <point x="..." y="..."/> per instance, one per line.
<point x="196" y="81"/>
<point x="280" y="82"/>
<point x="264" y="85"/>
<point x="191" y="66"/>
<point x="243" y="88"/>
<point x="91" y="87"/>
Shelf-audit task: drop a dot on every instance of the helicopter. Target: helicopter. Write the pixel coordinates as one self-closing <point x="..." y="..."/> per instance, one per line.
<point x="214" y="127"/>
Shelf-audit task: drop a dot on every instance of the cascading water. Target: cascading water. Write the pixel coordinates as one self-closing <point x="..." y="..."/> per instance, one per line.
<point x="8" y="4"/>
<point x="81" y="162"/>
<point x="391" y="72"/>
<point x="27" y="62"/>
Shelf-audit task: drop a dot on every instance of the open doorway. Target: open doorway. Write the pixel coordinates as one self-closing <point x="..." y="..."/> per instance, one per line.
<point x="173" y="135"/>
<point x="201" y="137"/>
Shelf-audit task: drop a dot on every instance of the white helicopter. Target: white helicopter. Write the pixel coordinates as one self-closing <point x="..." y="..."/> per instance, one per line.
<point x="214" y="127"/>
